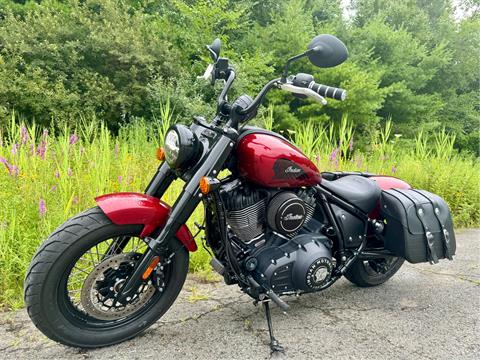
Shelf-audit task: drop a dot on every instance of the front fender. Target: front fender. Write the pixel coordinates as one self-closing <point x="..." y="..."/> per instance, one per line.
<point x="135" y="208"/>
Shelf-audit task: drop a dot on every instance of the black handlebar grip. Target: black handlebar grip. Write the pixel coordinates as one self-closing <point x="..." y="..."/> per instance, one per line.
<point x="328" y="91"/>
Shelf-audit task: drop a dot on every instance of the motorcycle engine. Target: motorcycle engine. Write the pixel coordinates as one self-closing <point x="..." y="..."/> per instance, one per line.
<point x="279" y="230"/>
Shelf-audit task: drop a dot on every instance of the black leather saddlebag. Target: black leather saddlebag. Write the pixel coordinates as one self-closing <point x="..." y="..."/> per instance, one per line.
<point x="418" y="225"/>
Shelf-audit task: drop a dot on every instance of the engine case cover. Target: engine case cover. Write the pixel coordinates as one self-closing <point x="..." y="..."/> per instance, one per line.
<point x="302" y="264"/>
<point x="286" y="213"/>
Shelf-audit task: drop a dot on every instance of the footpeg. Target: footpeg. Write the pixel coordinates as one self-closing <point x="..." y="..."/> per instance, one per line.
<point x="277" y="300"/>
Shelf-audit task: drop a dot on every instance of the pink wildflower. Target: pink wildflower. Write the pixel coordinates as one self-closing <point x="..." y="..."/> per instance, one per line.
<point x="75" y="200"/>
<point x="14" y="149"/>
<point x="42" y="208"/>
<point x="334" y="155"/>
<point x="42" y="148"/>
<point x="12" y="169"/>
<point x="120" y="178"/>
<point x="394" y="169"/>
<point x="24" y="135"/>
<point x="57" y="174"/>
<point x="350" y="145"/>
<point x="4" y="161"/>
<point x="73" y="139"/>
<point x="69" y="172"/>
<point x="54" y="188"/>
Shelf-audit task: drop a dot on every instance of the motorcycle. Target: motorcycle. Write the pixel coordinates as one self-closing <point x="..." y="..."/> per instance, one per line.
<point x="274" y="226"/>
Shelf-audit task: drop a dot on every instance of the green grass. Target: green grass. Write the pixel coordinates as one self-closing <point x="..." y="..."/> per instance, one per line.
<point x="39" y="191"/>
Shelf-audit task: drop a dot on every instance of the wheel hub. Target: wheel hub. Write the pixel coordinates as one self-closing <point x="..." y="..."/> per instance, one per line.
<point x="98" y="296"/>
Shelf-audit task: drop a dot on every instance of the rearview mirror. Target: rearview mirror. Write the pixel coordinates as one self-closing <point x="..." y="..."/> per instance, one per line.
<point x="327" y="51"/>
<point x="214" y="49"/>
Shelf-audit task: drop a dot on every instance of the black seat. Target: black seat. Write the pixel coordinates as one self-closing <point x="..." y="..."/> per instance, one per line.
<point x="356" y="190"/>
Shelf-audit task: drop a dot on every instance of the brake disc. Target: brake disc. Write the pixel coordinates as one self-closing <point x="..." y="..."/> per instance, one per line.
<point x="104" y="282"/>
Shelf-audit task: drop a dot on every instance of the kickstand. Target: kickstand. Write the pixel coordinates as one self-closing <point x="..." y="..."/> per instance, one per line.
<point x="274" y="344"/>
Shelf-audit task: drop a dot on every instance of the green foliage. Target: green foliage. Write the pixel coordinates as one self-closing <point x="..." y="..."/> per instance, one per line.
<point x="410" y="61"/>
<point x="430" y="63"/>
<point x="92" y="57"/>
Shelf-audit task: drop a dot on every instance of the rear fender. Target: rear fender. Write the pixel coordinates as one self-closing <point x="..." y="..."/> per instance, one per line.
<point x="134" y="208"/>
<point x="386" y="183"/>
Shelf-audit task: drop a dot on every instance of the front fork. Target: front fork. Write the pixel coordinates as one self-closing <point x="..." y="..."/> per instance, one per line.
<point x="181" y="210"/>
<point x="158" y="186"/>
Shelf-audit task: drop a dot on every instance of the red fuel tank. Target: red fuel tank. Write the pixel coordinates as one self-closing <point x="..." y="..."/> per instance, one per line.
<point x="269" y="160"/>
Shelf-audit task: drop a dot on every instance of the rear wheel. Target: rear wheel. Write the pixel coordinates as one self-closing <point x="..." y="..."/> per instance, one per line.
<point x="72" y="281"/>
<point x="366" y="273"/>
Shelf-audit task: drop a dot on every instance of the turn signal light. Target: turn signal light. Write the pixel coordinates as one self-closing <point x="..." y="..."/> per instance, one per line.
<point x="151" y="267"/>
<point x="208" y="184"/>
<point x="160" y="154"/>
<point x="205" y="185"/>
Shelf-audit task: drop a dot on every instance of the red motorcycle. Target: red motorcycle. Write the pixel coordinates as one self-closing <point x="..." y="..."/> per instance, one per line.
<point x="275" y="226"/>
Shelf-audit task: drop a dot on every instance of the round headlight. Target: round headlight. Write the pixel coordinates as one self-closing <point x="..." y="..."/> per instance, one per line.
<point x="172" y="147"/>
<point x="182" y="147"/>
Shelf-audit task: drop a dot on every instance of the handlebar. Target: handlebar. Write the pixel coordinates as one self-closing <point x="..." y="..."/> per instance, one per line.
<point x="301" y="84"/>
<point x="328" y="91"/>
<point x="307" y="81"/>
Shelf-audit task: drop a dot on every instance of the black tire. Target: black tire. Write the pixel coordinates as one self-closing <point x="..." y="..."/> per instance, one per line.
<point x="363" y="273"/>
<point x="45" y="285"/>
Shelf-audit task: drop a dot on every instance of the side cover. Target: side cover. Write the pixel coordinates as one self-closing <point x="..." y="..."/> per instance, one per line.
<point x="134" y="208"/>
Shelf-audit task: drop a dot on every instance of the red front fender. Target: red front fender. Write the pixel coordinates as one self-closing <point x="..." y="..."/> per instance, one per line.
<point x="134" y="208"/>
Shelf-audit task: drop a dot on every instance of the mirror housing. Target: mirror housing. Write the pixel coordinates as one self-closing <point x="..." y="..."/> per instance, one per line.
<point x="326" y="51"/>
<point x="214" y="49"/>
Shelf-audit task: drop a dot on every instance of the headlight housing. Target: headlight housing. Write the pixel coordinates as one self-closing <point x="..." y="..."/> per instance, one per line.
<point x="182" y="147"/>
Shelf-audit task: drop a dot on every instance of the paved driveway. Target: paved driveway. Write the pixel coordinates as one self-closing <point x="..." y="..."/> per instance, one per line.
<point x="424" y="312"/>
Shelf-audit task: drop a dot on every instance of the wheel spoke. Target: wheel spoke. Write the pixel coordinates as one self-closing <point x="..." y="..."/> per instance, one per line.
<point x="103" y="268"/>
<point x="81" y="270"/>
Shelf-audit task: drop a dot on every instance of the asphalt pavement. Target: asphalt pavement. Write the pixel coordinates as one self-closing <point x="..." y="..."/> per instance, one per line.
<point x="423" y="312"/>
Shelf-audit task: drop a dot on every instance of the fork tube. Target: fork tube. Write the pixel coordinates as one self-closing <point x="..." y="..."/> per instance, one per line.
<point x="161" y="181"/>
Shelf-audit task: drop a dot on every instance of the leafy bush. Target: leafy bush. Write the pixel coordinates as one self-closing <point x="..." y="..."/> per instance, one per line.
<point x="410" y="61"/>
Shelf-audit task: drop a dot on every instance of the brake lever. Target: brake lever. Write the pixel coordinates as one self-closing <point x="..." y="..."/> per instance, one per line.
<point x="303" y="91"/>
<point x="207" y="75"/>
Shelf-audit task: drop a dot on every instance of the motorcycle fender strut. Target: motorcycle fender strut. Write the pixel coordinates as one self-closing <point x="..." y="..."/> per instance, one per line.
<point x="135" y="208"/>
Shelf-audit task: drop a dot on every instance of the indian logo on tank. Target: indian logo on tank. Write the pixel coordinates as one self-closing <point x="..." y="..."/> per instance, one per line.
<point x="287" y="169"/>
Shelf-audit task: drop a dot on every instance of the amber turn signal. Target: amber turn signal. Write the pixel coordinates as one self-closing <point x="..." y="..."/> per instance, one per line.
<point x="151" y="267"/>
<point x="160" y="154"/>
<point x="205" y="185"/>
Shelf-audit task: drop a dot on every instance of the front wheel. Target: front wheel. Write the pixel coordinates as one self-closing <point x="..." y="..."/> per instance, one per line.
<point x="71" y="284"/>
